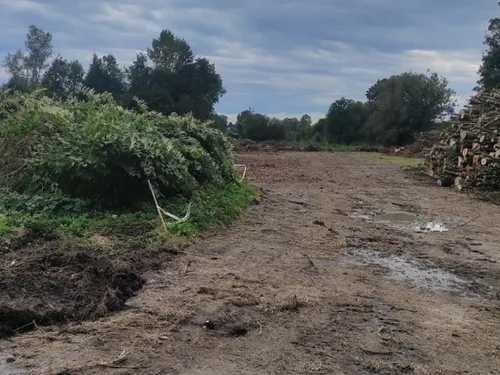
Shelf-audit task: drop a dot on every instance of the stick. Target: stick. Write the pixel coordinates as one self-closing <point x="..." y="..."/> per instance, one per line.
<point x="310" y="261"/>
<point x="468" y="222"/>
<point x="374" y="352"/>
<point x="187" y="266"/>
<point x="33" y="323"/>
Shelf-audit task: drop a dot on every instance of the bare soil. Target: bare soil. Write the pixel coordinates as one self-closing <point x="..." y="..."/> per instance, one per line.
<point x="307" y="282"/>
<point x="41" y="285"/>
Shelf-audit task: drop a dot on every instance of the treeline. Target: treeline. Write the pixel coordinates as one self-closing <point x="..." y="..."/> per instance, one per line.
<point x="168" y="77"/>
<point x="396" y="109"/>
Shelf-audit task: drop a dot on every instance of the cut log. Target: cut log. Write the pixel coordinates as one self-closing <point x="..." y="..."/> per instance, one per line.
<point x="465" y="135"/>
<point x="463" y="115"/>
<point x="458" y="183"/>
<point x="445" y="182"/>
<point x="476" y="160"/>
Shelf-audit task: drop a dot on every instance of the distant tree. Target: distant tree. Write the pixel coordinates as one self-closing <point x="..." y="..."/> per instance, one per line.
<point x="404" y="104"/>
<point x="170" y="79"/>
<point x="104" y="75"/>
<point x="169" y="52"/>
<point x="291" y="125"/>
<point x="220" y="122"/>
<point x="259" y="127"/>
<point x="39" y="49"/>
<point x="63" y="77"/>
<point x="489" y="70"/>
<point x="197" y="88"/>
<point x="26" y="67"/>
<point x="139" y="76"/>
<point x="319" y="130"/>
<point x="374" y="91"/>
<point x="304" y="129"/>
<point x="344" y="121"/>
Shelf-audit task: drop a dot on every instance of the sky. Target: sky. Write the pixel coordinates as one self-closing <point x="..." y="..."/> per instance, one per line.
<point x="280" y="57"/>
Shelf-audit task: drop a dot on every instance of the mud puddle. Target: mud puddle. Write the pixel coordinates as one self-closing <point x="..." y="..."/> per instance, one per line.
<point x="402" y="220"/>
<point x="420" y="276"/>
<point x="397" y="217"/>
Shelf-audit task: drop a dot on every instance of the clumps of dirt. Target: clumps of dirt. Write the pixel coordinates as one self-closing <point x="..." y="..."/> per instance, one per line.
<point x="228" y="321"/>
<point x="27" y="238"/>
<point x="44" y="285"/>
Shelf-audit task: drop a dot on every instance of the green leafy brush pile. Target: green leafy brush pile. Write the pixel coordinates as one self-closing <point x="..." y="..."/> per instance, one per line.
<point x="93" y="148"/>
<point x="69" y="162"/>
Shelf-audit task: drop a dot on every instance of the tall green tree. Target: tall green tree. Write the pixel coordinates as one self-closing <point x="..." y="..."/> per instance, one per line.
<point x="198" y="88"/>
<point x="344" y="121"/>
<point x="169" y="78"/>
<point x="304" y="129"/>
<point x="139" y="76"/>
<point x="489" y="71"/>
<point x="220" y="122"/>
<point x="63" y="77"/>
<point x="259" y="127"/>
<point x="169" y="52"/>
<point x="26" y="67"/>
<point x="105" y="75"/>
<point x="405" y="104"/>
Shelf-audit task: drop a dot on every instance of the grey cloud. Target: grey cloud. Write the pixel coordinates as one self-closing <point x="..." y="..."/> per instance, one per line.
<point x="278" y="56"/>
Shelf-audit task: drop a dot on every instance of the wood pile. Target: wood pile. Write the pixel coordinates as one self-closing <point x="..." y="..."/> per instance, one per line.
<point x="428" y="139"/>
<point x="467" y="154"/>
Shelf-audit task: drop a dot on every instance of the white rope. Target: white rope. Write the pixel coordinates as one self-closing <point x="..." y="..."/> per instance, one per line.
<point x="244" y="171"/>
<point x="176" y="218"/>
<point x="161" y="210"/>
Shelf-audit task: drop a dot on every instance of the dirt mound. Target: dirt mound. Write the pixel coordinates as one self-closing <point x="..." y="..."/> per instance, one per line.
<point x="44" y="285"/>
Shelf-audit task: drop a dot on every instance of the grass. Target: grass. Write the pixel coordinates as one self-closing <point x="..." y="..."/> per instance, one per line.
<point x="77" y="224"/>
<point x="391" y="159"/>
<point x="319" y="145"/>
<point x="212" y="209"/>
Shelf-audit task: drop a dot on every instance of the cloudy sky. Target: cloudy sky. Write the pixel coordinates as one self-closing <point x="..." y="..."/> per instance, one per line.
<point x="281" y="57"/>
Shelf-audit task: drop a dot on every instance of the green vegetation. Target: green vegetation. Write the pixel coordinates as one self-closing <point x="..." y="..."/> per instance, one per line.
<point x="168" y="77"/>
<point x="489" y="71"/>
<point x="76" y="221"/>
<point x="213" y="208"/>
<point x="78" y="146"/>
<point x="392" y="159"/>
<point x="81" y="165"/>
<point x="396" y="109"/>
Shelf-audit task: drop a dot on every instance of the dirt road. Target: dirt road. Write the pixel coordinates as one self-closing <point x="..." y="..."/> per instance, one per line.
<point x="310" y="281"/>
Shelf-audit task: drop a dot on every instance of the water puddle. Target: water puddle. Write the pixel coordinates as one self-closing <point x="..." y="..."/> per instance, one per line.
<point x="397" y="217"/>
<point x="410" y="271"/>
<point x="403" y="220"/>
<point x="430" y="227"/>
<point x="357" y="215"/>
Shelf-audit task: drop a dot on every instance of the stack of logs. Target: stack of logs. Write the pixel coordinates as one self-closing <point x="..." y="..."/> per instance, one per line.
<point x="467" y="154"/>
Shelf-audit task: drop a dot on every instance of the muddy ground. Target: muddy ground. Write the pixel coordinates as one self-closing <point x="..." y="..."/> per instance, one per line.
<point x="310" y="281"/>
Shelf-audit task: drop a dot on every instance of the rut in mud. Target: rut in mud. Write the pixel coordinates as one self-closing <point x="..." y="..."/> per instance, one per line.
<point x="308" y="282"/>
